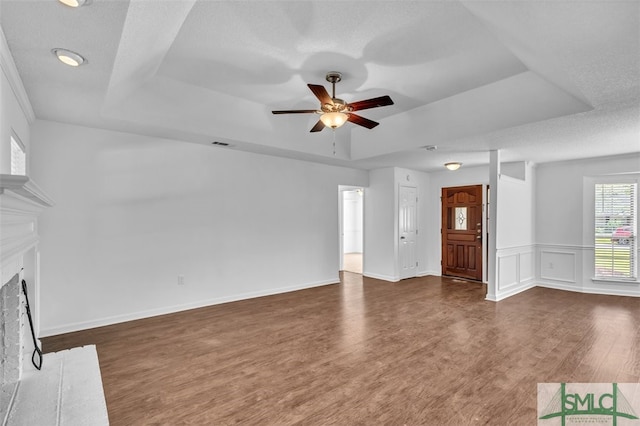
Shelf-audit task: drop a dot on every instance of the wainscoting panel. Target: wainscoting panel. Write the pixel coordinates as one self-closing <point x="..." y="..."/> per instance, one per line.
<point x="571" y="268"/>
<point x="527" y="262"/>
<point x="558" y="265"/>
<point x="507" y="272"/>
<point x="514" y="272"/>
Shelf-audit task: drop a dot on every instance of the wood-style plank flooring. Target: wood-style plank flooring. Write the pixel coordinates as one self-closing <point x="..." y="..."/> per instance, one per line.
<point x="424" y="351"/>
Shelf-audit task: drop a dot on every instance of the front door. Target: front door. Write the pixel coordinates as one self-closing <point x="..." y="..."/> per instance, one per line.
<point x="462" y="232"/>
<point x="408" y="229"/>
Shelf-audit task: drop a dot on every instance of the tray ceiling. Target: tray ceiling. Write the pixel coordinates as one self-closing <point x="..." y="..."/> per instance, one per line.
<point x="543" y="81"/>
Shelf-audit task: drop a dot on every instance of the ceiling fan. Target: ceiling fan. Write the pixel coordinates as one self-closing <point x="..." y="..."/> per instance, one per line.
<point x="335" y="112"/>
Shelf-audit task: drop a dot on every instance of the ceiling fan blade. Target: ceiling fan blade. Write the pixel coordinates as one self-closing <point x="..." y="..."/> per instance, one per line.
<point x="371" y="103"/>
<point x="321" y="93"/>
<point x="361" y="121"/>
<point x="296" y="111"/>
<point x="319" y="126"/>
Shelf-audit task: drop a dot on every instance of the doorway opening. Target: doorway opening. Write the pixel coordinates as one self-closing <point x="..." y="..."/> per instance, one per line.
<point x="351" y="229"/>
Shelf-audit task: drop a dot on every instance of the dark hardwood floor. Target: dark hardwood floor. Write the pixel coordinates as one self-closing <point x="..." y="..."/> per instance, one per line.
<point x="424" y="351"/>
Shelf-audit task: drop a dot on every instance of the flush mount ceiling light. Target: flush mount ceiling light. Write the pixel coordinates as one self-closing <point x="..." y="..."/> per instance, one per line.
<point x="74" y="3"/>
<point x="68" y="57"/>
<point x="453" y="165"/>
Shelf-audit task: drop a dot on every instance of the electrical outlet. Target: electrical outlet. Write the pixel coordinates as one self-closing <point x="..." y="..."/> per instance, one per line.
<point x="180" y="279"/>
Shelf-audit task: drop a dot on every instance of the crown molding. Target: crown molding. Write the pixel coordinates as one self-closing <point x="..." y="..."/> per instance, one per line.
<point x="9" y="68"/>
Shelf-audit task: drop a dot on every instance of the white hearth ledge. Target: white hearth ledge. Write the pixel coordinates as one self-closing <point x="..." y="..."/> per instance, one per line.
<point x="67" y="391"/>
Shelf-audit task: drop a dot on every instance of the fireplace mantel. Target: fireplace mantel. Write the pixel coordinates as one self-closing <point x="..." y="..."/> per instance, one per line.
<point x="23" y="187"/>
<point x="21" y="202"/>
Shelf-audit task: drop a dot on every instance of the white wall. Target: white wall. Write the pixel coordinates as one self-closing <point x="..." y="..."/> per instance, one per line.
<point x="379" y="254"/>
<point x="515" y="233"/>
<point x="132" y="213"/>
<point x="564" y="223"/>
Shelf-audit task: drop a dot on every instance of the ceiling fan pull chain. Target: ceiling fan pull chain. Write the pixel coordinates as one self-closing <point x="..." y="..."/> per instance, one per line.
<point x="334" y="142"/>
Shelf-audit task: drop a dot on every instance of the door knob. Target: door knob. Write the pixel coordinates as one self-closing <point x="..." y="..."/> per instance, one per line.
<point x="402" y="238"/>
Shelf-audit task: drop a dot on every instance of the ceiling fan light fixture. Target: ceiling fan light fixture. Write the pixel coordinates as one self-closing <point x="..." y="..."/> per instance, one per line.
<point x="68" y="57"/>
<point x="453" y="165"/>
<point x="334" y="119"/>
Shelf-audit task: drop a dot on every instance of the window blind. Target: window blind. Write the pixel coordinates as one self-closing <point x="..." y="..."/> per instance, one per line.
<point x="615" y="230"/>
<point x="18" y="158"/>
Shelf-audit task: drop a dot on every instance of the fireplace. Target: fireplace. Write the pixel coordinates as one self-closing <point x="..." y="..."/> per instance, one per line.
<point x="68" y="388"/>
<point x="10" y="341"/>
<point x="21" y="202"/>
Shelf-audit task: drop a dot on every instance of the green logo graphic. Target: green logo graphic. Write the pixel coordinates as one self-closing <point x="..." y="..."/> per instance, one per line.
<point x="565" y="404"/>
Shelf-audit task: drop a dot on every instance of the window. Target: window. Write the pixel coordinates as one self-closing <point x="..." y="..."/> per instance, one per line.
<point x="18" y="158"/>
<point x="615" y="230"/>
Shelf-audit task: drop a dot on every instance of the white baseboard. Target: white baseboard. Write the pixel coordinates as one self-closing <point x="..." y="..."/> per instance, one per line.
<point x="588" y="290"/>
<point x="430" y="273"/>
<point x="511" y="291"/>
<point x="116" y="319"/>
<point x="381" y="277"/>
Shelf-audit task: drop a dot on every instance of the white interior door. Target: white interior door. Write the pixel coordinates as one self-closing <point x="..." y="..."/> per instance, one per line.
<point x="408" y="230"/>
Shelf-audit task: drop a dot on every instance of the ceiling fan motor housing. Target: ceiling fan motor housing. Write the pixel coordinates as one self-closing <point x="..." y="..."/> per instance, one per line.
<point x="338" y="105"/>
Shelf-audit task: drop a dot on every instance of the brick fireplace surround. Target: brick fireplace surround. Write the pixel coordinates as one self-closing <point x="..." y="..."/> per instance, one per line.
<point x="68" y="388"/>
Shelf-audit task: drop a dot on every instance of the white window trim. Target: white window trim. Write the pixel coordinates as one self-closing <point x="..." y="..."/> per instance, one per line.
<point x="14" y="138"/>
<point x="589" y="220"/>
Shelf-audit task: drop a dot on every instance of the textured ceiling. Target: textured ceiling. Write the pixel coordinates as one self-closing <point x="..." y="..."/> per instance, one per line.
<point x="542" y="81"/>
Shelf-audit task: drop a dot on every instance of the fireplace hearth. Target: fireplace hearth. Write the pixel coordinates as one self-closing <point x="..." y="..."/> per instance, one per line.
<point x="10" y="341"/>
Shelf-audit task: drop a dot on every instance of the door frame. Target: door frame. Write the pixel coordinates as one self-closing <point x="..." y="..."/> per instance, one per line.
<point x="341" y="190"/>
<point x="485" y="232"/>
<point x="399" y="259"/>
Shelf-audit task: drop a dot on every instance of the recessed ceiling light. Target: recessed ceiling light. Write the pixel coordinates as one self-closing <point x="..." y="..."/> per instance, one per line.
<point x="68" y="57"/>
<point x="73" y="3"/>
